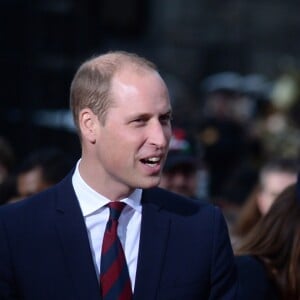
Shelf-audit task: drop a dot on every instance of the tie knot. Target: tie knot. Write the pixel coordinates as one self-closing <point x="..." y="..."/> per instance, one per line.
<point x="115" y="209"/>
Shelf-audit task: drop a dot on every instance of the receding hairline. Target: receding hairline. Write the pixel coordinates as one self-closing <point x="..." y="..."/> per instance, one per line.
<point x="118" y="60"/>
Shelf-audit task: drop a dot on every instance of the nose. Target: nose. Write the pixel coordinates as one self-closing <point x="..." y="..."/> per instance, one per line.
<point x="160" y="135"/>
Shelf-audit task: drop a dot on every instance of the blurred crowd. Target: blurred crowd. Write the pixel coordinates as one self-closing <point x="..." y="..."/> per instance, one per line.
<point x="39" y="170"/>
<point x="242" y="155"/>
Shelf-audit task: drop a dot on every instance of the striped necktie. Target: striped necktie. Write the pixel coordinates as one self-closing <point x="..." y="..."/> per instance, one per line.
<point x="114" y="278"/>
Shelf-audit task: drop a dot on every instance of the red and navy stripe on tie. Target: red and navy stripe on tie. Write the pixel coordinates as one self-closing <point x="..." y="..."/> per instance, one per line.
<point x="114" y="278"/>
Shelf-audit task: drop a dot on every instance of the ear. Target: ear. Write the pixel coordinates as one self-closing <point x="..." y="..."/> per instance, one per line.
<point x="88" y="123"/>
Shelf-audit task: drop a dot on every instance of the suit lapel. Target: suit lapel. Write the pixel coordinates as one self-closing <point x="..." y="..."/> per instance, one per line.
<point x="74" y="240"/>
<point x="153" y="241"/>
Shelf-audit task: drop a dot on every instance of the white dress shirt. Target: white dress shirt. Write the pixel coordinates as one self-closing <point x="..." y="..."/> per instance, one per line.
<point x="96" y="215"/>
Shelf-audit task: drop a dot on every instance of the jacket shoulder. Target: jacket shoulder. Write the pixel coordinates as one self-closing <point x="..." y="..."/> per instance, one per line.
<point x="175" y="203"/>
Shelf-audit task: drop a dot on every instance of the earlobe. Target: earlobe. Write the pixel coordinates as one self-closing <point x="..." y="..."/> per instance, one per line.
<point x="88" y="124"/>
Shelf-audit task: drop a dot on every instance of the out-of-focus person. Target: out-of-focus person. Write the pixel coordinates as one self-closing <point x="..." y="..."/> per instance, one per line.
<point x="268" y="258"/>
<point x="274" y="176"/>
<point x="220" y="132"/>
<point x="7" y="159"/>
<point x="7" y="164"/>
<point x="181" y="169"/>
<point x="41" y="169"/>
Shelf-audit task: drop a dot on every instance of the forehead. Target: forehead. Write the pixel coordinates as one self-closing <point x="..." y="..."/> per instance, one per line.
<point x="278" y="180"/>
<point x="139" y="87"/>
<point x="132" y="75"/>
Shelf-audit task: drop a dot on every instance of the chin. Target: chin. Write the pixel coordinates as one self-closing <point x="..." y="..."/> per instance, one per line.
<point x="149" y="183"/>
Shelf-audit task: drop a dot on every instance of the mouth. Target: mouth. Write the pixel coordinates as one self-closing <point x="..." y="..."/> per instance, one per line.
<point x="151" y="161"/>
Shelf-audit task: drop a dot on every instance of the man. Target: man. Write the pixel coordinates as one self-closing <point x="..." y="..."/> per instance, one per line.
<point x="53" y="245"/>
<point x="180" y="172"/>
<point x="41" y="169"/>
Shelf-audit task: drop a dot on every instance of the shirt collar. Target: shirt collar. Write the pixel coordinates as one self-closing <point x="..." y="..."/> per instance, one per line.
<point x="95" y="200"/>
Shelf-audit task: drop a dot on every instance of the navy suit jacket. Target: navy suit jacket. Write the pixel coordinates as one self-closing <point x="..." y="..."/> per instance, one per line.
<point x="184" y="250"/>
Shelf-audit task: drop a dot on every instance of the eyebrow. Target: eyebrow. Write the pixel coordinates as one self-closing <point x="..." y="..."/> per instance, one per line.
<point x="147" y="115"/>
<point x="169" y="112"/>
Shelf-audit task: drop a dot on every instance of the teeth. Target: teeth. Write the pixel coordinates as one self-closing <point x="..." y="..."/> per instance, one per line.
<point x="153" y="159"/>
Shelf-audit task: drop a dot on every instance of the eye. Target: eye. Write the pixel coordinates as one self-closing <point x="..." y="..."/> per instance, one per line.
<point x="165" y="119"/>
<point x="139" y="121"/>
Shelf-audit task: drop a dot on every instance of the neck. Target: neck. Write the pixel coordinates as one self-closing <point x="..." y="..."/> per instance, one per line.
<point x="101" y="184"/>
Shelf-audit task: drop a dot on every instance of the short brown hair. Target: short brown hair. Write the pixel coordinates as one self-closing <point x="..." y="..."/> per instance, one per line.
<point x="90" y="87"/>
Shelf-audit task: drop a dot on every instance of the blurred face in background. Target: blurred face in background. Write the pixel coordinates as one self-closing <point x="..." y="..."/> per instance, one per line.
<point x="272" y="184"/>
<point x="30" y="183"/>
<point x="180" y="179"/>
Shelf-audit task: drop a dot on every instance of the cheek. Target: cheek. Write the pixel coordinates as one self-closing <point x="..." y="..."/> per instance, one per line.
<point x="263" y="203"/>
<point x="192" y="181"/>
<point x="116" y="150"/>
<point x="121" y="146"/>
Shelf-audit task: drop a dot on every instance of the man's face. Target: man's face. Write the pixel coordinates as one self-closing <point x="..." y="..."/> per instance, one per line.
<point x="181" y="180"/>
<point x="30" y="183"/>
<point x="273" y="184"/>
<point x="132" y="144"/>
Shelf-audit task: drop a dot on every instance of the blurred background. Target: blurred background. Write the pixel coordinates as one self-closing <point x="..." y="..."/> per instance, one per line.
<point x="232" y="68"/>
